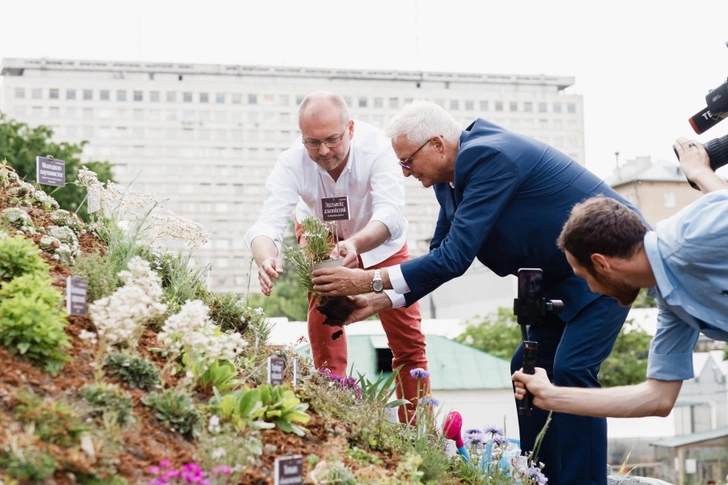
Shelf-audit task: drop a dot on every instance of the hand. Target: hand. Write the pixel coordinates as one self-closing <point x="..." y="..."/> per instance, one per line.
<point x="341" y="281"/>
<point x="347" y="249"/>
<point x="268" y="272"/>
<point x="367" y="305"/>
<point x="538" y="384"/>
<point x="693" y="158"/>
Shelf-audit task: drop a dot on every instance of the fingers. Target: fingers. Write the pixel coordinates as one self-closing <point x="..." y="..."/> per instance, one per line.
<point x="351" y="260"/>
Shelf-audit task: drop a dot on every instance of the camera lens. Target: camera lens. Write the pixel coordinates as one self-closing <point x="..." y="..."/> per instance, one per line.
<point x="717" y="149"/>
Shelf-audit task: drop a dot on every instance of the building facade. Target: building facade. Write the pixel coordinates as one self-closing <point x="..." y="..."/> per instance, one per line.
<point x="205" y="137"/>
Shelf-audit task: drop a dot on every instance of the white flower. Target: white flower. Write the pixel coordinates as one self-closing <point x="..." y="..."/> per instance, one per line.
<point x="218" y="453"/>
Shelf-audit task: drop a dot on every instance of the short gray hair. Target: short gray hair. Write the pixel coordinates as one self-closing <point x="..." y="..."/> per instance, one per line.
<point x="332" y="99"/>
<point x="421" y="120"/>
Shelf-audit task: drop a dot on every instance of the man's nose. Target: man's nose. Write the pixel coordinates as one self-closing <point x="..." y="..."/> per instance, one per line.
<point x="323" y="149"/>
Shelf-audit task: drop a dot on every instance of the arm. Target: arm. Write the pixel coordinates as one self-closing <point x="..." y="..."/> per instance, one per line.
<point x="270" y="267"/>
<point x="695" y="163"/>
<point x="650" y="398"/>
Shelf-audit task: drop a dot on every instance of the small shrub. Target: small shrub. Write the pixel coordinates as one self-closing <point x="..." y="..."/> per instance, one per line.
<point x="28" y="464"/>
<point x="108" y="399"/>
<point x="227" y="311"/>
<point x="137" y="372"/>
<point x="220" y="375"/>
<point x="176" y="410"/>
<point x="31" y="323"/>
<point x="55" y="422"/>
<point x="99" y="275"/>
<point x="19" y="256"/>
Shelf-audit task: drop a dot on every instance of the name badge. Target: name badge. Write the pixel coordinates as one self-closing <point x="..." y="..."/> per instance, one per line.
<point x="335" y="208"/>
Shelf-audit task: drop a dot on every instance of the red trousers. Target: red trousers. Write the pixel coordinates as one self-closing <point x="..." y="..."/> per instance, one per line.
<point x="404" y="337"/>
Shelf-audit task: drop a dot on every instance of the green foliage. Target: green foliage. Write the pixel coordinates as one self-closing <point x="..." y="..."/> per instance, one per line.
<point x="99" y="275"/>
<point x="263" y="407"/>
<point x="137" y="372"/>
<point x="31" y="323"/>
<point x="644" y="300"/>
<point x="110" y="400"/>
<point x="236" y="449"/>
<point x="180" y="281"/>
<point x="319" y="244"/>
<point x="19" y="256"/>
<point x="498" y="334"/>
<point x="380" y="391"/>
<point x="220" y="375"/>
<point x="227" y="311"/>
<point x="177" y="410"/>
<point x="28" y="464"/>
<point x="21" y="143"/>
<point x="55" y="422"/>
<point x="628" y="362"/>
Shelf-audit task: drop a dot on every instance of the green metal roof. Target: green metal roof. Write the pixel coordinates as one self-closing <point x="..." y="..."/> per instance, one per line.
<point x="452" y="365"/>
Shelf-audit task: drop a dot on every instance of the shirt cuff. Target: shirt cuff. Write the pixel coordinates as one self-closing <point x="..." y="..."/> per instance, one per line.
<point x="670" y="367"/>
<point x="397" y="279"/>
<point x="396" y="299"/>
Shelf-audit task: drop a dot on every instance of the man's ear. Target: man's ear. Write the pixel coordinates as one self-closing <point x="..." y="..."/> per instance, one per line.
<point x="600" y="262"/>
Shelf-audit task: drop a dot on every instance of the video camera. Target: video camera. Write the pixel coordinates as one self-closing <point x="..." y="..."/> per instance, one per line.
<point x="716" y="110"/>
<point x="530" y="307"/>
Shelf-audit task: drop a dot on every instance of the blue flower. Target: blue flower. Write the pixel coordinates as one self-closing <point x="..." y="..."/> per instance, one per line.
<point x="429" y="401"/>
<point x="534" y="473"/>
<point x="492" y="430"/>
<point x="419" y="373"/>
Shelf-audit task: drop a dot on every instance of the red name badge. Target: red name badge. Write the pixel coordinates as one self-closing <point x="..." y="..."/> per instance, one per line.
<point x="335" y="208"/>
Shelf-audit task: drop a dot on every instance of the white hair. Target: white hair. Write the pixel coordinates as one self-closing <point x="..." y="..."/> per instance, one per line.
<point x="421" y="120"/>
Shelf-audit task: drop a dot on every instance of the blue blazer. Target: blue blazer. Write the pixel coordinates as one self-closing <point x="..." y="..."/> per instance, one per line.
<point x="511" y="197"/>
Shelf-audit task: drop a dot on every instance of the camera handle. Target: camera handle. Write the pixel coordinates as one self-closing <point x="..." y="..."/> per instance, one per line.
<point x="530" y="351"/>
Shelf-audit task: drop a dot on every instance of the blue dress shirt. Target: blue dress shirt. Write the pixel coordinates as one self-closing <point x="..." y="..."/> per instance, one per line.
<point x="688" y="253"/>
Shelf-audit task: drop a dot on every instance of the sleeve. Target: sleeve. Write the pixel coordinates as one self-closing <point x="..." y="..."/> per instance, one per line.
<point x="281" y="196"/>
<point x="671" y="350"/>
<point x="488" y="188"/>
<point x="441" y="228"/>
<point x="387" y="185"/>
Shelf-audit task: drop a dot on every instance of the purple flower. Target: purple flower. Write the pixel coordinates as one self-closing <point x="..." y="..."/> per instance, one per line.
<point x="492" y="430"/>
<point x="164" y="463"/>
<point x="429" y="401"/>
<point x="474" y="436"/>
<point x="534" y="473"/>
<point x="419" y="373"/>
<point x="224" y="469"/>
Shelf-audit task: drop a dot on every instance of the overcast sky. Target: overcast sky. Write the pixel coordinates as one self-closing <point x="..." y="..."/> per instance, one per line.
<point x="643" y="66"/>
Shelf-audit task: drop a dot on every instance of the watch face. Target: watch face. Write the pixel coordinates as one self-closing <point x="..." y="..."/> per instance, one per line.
<point x="378" y="286"/>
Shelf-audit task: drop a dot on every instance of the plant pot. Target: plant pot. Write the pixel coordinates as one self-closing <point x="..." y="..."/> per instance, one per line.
<point x="329" y="263"/>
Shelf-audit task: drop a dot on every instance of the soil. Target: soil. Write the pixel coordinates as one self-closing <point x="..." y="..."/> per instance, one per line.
<point x="148" y="441"/>
<point x="336" y="309"/>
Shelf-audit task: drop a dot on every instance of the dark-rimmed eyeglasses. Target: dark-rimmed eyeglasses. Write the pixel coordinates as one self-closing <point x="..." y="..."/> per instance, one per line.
<point x="331" y="142"/>
<point x="407" y="162"/>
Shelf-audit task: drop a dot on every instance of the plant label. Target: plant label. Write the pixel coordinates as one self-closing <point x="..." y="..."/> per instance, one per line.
<point x="275" y="370"/>
<point x="335" y="208"/>
<point x="94" y="201"/>
<point x="289" y="470"/>
<point x="49" y="171"/>
<point x="75" y="296"/>
<point x="295" y="371"/>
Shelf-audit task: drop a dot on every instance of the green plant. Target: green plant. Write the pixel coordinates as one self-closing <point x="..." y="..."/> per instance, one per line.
<point x="139" y="373"/>
<point x="263" y="407"/>
<point x="319" y="244"/>
<point x="220" y="375"/>
<point x="55" y="422"/>
<point x="108" y="399"/>
<point x="180" y="281"/>
<point x="227" y="311"/>
<point x="31" y="322"/>
<point x="98" y="273"/>
<point x="19" y="256"/>
<point x="177" y="410"/>
<point x="28" y="464"/>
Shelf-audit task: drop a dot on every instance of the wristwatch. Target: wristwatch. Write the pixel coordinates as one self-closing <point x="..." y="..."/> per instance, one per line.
<point x="377" y="283"/>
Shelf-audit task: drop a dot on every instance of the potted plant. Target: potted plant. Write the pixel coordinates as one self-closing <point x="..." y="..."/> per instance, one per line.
<point x="315" y="251"/>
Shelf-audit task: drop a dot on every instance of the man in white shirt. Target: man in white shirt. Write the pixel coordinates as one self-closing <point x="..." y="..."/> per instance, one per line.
<point x="330" y="161"/>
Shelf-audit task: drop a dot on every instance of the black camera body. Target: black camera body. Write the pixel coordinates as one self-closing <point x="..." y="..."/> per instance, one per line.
<point x="716" y="110"/>
<point x="530" y="307"/>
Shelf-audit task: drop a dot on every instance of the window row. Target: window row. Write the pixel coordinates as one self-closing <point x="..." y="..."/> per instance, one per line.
<point x="377" y="102"/>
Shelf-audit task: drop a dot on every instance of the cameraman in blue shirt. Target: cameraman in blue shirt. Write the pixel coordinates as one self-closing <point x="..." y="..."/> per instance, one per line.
<point x="684" y="262"/>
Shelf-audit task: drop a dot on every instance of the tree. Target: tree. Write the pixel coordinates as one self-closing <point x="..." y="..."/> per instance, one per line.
<point x="499" y="335"/>
<point x="20" y="144"/>
<point x="644" y="300"/>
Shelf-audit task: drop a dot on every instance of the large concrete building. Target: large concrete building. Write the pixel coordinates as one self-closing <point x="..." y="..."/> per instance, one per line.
<point x="205" y="137"/>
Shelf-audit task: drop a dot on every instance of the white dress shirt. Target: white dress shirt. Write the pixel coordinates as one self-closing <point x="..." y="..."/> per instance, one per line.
<point x="371" y="179"/>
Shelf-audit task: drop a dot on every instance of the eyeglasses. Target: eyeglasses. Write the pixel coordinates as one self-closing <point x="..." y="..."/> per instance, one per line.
<point x="407" y="162"/>
<point x="331" y="142"/>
